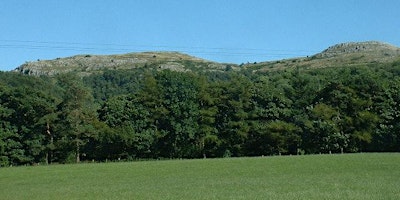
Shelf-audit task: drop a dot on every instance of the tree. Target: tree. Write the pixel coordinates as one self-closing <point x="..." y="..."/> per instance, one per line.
<point x="179" y="134"/>
<point x="273" y="138"/>
<point x="134" y="131"/>
<point x="209" y="142"/>
<point x="387" y="137"/>
<point x="10" y="147"/>
<point x="322" y="132"/>
<point x="113" y="83"/>
<point x="29" y="100"/>
<point x="232" y="118"/>
<point x="77" y="115"/>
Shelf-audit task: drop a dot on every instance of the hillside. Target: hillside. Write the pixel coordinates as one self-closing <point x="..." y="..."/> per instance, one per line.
<point x="87" y="64"/>
<point x="145" y="112"/>
<point x="345" y="54"/>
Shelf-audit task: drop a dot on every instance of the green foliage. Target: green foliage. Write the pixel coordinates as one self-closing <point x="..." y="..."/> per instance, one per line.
<point x="112" y="83"/>
<point x="24" y="103"/>
<point x="147" y="114"/>
<point x="77" y="115"/>
<point x="134" y="128"/>
<point x="179" y="129"/>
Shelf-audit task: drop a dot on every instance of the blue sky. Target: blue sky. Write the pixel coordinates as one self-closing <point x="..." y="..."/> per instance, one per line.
<point x="235" y="31"/>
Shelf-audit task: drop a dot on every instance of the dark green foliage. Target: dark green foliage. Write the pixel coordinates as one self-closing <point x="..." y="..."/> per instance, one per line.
<point x="179" y="129"/>
<point x="113" y="83"/>
<point x="165" y="114"/>
<point x="232" y="117"/>
<point x="26" y="104"/>
<point x="77" y="116"/>
<point x="133" y="131"/>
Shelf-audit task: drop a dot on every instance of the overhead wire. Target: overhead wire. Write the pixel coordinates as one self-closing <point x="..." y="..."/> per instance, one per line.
<point x="119" y="48"/>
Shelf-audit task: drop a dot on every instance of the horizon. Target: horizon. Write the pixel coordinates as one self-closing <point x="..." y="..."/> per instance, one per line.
<point x="181" y="52"/>
<point x="221" y="31"/>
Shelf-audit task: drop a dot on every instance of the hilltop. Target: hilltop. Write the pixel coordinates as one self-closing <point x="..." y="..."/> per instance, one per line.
<point x="344" y="54"/>
<point x="87" y="64"/>
<point x="339" y="55"/>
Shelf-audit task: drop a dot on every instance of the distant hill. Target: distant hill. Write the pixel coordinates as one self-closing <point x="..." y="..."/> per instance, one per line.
<point x="345" y="54"/>
<point x="340" y="55"/>
<point x="88" y="64"/>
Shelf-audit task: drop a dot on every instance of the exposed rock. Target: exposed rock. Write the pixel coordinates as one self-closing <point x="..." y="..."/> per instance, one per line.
<point x="87" y="64"/>
<point x="345" y="54"/>
<point x="370" y="47"/>
<point x="340" y="55"/>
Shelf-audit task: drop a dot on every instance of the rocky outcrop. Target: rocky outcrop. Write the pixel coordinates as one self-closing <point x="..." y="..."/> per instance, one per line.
<point x="87" y="64"/>
<point x="370" y="47"/>
<point x="340" y="55"/>
<point x="345" y="54"/>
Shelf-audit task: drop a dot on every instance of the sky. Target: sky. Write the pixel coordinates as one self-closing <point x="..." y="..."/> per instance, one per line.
<point x="232" y="31"/>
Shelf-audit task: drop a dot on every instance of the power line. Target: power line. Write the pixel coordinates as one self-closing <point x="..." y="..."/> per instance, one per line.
<point x="111" y="47"/>
<point x="147" y="46"/>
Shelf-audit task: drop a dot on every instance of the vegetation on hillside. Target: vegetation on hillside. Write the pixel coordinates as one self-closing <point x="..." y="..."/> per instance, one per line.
<point x="150" y="113"/>
<point x="84" y="65"/>
<point x="344" y="54"/>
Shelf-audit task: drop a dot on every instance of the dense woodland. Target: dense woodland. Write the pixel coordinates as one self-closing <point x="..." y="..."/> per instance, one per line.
<point x="150" y="114"/>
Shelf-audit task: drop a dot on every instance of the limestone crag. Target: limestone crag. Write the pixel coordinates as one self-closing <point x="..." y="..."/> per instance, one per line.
<point x="86" y="64"/>
<point x="374" y="47"/>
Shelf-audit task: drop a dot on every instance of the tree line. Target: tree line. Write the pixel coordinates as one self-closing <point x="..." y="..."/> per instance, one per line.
<point x="149" y="114"/>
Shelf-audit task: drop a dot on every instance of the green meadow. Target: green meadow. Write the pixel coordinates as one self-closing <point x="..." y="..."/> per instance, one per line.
<point x="347" y="176"/>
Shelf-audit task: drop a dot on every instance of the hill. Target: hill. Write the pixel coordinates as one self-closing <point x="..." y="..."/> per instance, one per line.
<point x="345" y="54"/>
<point x="145" y="112"/>
<point x="340" y="55"/>
<point x="87" y="64"/>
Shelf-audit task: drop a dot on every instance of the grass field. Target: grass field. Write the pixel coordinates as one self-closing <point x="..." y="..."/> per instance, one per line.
<point x="348" y="176"/>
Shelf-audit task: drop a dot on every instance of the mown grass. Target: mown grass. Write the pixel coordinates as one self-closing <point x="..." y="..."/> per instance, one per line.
<point x="348" y="176"/>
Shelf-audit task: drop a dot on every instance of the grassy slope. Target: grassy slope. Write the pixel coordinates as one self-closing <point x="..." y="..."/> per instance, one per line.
<point x="351" y="176"/>
<point x="340" y="55"/>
